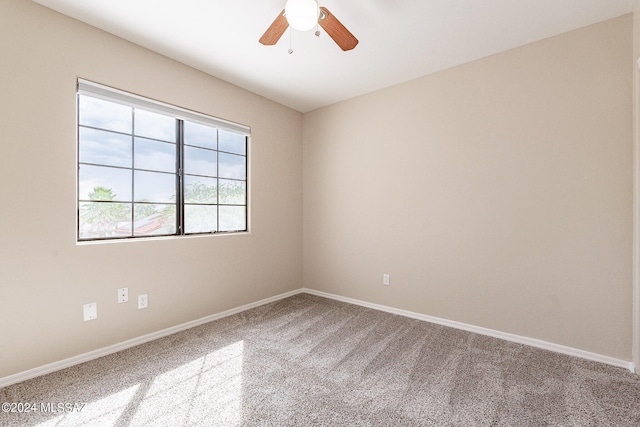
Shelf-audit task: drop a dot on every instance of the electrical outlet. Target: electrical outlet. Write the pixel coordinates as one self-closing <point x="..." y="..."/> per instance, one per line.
<point x="123" y="295"/>
<point x="385" y="280"/>
<point x="143" y="301"/>
<point x="90" y="311"/>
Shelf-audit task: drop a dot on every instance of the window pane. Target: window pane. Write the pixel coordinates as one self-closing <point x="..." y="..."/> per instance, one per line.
<point x="232" y="142"/>
<point x="200" y="219"/>
<point x="153" y="219"/>
<point x="154" y="187"/>
<point x="104" y="148"/>
<point x="200" y="135"/>
<point x="154" y="125"/>
<point x="138" y="160"/>
<point x="200" y="162"/>
<point x="154" y="155"/>
<point x="104" y="219"/>
<point x="104" y="183"/>
<point x="104" y="114"/>
<point x="232" y="166"/>
<point x="200" y="190"/>
<point x="232" y="192"/>
<point x="232" y="218"/>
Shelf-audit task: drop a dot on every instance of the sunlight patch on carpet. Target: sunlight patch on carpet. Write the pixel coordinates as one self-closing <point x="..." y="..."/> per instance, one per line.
<point x="204" y="391"/>
<point x="102" y="412"/>
<point x="208" y="388"/>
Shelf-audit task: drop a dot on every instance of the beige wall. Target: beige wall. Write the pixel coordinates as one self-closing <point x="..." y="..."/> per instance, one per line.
<point x="497" y="193"/>
<point x="44" y="276"/>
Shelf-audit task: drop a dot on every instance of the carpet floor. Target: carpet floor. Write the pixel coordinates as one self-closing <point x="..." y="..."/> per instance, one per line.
<point x="307" y="360"/>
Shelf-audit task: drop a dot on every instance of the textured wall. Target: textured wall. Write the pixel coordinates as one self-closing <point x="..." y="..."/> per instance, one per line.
<point x="44" y="276"/>
<point x="497" y="193"/>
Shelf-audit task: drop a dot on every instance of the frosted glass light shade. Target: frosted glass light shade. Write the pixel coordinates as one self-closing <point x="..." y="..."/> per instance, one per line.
<point x="301" y="14"/>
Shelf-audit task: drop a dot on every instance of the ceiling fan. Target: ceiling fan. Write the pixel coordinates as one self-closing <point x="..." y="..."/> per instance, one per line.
<point x="304" y="15"/>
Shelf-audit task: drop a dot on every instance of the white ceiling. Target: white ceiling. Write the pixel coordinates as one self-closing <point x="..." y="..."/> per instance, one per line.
<point x="399" y="39"/>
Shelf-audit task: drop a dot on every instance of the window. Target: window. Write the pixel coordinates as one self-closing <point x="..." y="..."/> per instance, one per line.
<point x="151" y="169"/>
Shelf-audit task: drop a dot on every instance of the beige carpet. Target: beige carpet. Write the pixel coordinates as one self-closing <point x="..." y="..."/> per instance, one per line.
<point x="307" y="360"/>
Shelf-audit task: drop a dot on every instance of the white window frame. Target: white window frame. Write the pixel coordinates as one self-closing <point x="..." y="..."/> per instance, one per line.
<point x="95" y="90"/>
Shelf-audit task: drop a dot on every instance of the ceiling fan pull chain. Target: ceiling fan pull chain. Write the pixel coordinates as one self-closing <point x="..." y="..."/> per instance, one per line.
<point x="290" y="37"/>
<point x="317" y="33"/>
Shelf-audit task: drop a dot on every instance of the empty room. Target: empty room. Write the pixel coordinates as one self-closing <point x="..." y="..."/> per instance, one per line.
<point x="340" y="213"/>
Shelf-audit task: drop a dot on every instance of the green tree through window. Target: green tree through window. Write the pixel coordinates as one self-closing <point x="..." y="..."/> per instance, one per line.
<point x="102" y="214"/>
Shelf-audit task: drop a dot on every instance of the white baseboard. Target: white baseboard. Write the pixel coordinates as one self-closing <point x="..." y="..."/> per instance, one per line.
<point x="86" y="357"/>
<point x="485" y="331"/>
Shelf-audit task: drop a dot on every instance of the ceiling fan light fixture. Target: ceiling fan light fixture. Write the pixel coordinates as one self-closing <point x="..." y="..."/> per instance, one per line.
<point x="316" y="17"/>
<point x="302" y="15"/>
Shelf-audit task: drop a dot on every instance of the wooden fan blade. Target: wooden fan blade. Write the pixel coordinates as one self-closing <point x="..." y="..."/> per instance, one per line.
<point x="337" y="31"/>
<point x="275" y="31"/>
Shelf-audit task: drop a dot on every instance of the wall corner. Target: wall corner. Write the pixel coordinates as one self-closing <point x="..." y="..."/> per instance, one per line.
<point x="636" y="193"/>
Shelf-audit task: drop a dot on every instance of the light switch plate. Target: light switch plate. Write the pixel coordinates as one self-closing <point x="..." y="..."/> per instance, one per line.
<point x="123" y="295"/>
<point x="90" y="311"/>
<point x="143" y="301"/>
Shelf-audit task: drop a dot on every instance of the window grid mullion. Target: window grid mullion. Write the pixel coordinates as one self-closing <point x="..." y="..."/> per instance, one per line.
<point x="180" y="178"/>
<point x="217" y="182"/>
<point x="133" y="168"/>
<point x="78" y="166"/>
<point x="246" y="182"/>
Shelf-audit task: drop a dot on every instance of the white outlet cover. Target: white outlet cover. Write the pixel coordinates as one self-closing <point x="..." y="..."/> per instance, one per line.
<point x="90" y="311"/>
<point x="143" y="301"/>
